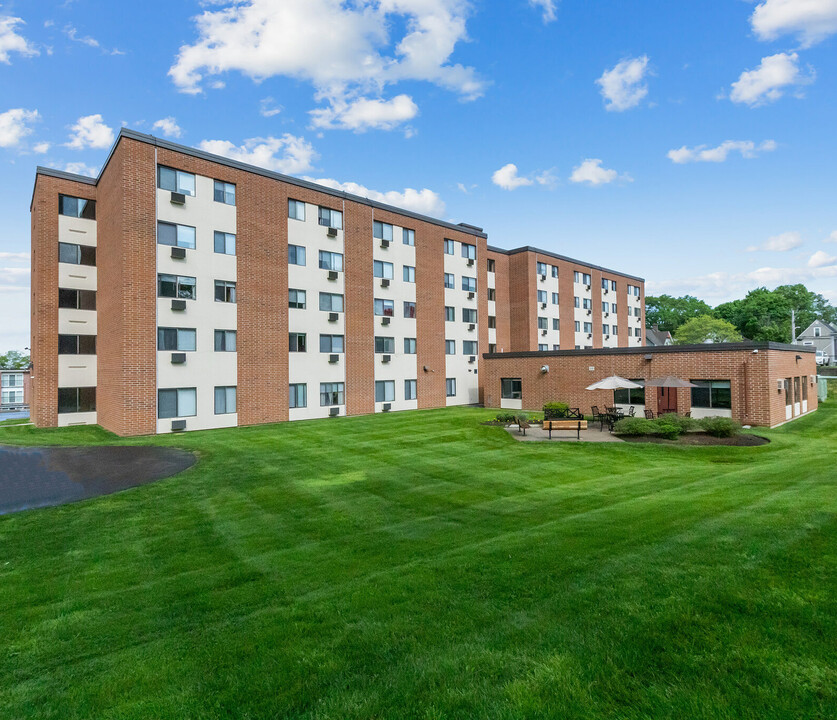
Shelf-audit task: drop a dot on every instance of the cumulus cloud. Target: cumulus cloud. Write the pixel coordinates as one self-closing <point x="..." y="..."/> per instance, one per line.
<point x="821" y="259"/>
<point x="832" y="237"/>
<point x="41" y="147"/>
<point x="549" y="8"/>
<point x="90" y="132"/>
<point x="704" y="153"/>
<point x="169" y="127"/>
<point x="13" y="42"/>
<point x="623" y="86"/>
<point x="15" y="124"/>
<point x="423" y="201"/>
<point x="80" y="168"/>
<point x="363" y="114"/>
<point x="770" y="80"/>
<point x="508" y="178"/>
<point x="287" y="154"/>
<point x="779" y="243"/>
<point x="591" y="172"/>
<point x="811" y="21"/>
<point x="14" y="256"/>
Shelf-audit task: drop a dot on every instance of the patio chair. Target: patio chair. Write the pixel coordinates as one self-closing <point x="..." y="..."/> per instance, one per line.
<point x="649" y="414"/>
<point x="600" y="417"/>
<point x="632" y="411"/>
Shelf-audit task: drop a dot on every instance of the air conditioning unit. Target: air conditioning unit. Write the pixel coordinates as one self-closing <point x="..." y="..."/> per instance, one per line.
<point x="178" y="305"/>
<point x="332" y="274"/>
<point x="178" y="253"/>
<point x="386" y="358"/>
<point x="385" y="282"/>
<point x="472" y="326"/>
<point x="813" y="379"/>
<point x="385" y="244"/>
<point x="335" y="411"/>
<point x="543" y="332"/>
<point x="470" y="262"/>
<point x="589" y="335"/>
<point x="607" y="314"/>
<point x="472" y="359"/>
<point x="543" y="306"/>
<point x="387" y="407"/>
<point x="178" y="425"/>
<point x="178" y="198"/>
<point x="471" y="296"/>
<point x="333" y="358"/>
<point x="606" y="291"/>
<point x="178" y="358"/>
<point x="589" y="312"/>
<point x="607" y="337"/>
<point x="385" y="321"/>
<point x="331" y="232"/>
<point x="332" y="317"/>
<point x="589" y="287"/>
<point x="781" y="385"/>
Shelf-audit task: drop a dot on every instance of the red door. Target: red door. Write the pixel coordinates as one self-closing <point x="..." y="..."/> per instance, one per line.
<point x="666" y="400"/>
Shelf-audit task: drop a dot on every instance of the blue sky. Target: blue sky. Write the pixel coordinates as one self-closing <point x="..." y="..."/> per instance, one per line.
<point x="691" y="143"/>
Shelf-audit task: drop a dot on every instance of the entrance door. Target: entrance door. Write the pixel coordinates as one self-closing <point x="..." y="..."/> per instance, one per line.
<point x="666" y="400"/>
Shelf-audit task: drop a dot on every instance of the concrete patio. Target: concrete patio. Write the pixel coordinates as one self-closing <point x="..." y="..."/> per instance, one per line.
<point x="534" y="433"/>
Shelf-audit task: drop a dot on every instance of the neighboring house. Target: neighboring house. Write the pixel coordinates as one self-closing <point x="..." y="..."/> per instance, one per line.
<point x="14" y="389"/>
<point x="654" y="337"/>
<point x="822" y="336"/>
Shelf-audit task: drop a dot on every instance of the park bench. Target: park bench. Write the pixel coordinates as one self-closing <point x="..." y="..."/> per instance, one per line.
<point x="577" y="425"/>
<point x="523" y="426"/>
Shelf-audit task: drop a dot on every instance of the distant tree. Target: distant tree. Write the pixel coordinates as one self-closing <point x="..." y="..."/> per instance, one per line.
<point x="706" y="328"/>
<point x="669" y="313"/>
<point x="14" y="360"/>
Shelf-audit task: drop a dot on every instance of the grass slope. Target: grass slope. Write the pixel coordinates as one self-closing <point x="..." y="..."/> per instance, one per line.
<point x="419" y="565"/>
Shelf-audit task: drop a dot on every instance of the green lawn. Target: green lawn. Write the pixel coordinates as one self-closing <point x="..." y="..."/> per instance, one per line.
<point x="419" y="565"/>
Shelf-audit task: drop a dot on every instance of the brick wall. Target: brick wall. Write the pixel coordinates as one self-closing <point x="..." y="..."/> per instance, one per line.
<point x="523" y="293"/>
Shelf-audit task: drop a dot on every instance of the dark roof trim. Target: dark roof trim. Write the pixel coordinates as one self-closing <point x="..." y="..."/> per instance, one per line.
<point x="539" y="251"/>
<point x="61" y="175"/>
<point x="657" y="350"/>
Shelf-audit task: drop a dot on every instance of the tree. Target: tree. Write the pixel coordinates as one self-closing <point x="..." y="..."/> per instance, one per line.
<point x="669" y="313"/>
<point x="14" y="360"/>
<point x="706" y="328"/>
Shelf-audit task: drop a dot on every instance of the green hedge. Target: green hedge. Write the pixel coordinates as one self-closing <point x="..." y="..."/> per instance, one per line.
<point x="555" y="410"/>
<point x="671" y="426"/>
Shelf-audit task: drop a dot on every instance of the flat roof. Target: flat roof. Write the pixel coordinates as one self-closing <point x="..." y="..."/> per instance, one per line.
<point x="656" y="350"/>
<point x="548" y="253"/>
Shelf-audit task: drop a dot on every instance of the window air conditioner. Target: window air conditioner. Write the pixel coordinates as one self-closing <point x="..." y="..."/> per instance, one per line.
<point x="333" y="358"/>
<point x="470" y="296"/>
<point x="178" y="305"/>
<point x="178" y="358"/>
<point x="178" y="198"/>
<point x="386" y="358"/>
<point x="385" y="321"/>
<point x="385" y="282"/>
<point x="332" y="317"/>
<point x="334" y="412"/>
<point x="470" y="262"/>
<point x="607" y="337"/>
<point x="178" y="253"/>
<point x="543" y="306"/>
<point x="781" y="385"/>
<point x="543" y="332"/>
<point x="472" y="326"/>
<point x="589" y="312"/>
<point x="387" y="407"/>
<point x="606" y="291"/>
<point x="543" y="277"/>
<point x="178" y="425"/>
<point x="332" y="274"/>
<point x="607" y="314"/>
<point x="472" y="359"/>
<point x="331" y="232"/>
<point x="589" y="287"/>
<point x="385" y="244"/>
<point x="589" y="335"/>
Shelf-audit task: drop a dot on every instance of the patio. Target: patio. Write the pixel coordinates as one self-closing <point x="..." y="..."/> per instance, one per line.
<point x="535" y="433"/>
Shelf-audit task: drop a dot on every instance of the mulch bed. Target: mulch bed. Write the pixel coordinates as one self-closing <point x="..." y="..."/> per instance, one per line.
<point x="702" y="439"/>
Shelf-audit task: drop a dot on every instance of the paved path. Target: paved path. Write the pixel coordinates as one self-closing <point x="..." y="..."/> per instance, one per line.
<point x="536" y="434"/>
<point x="16" y="415"/>
<point x="39" y="477"/>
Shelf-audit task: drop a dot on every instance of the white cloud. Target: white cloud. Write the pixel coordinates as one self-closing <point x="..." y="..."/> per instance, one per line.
<point x="821" y="259"/>
<point x="14" y="256"/>
<point x="41" y="147"/>
<point x="15" y="125"/>
<point x="623" y="86"/>
<point x="11" y="41"/>
<point x="287" y="154"/>
<point x="168" y="126"/>
<point x="13" y="277"/>
<point x="769" y="81"/>
<point x="423" y="201"/>
<point x="80" y="168"/>
<point x="72" y="33"/>
<point x="90" y="132"/>
<point x="832" y="237"/>
<point x="779" y="243"/>
<point x="703" y="153"/>
<point x="267" y="107"/>
<point x="364" y="114"/>
<point x="591" y="172"/>
<point x="810" y="20"/>
<point x="507" y="177"/>
<point x="548" y="7"/>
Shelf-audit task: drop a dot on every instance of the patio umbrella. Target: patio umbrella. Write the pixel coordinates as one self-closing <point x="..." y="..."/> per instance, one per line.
<point x="669" y="382"/>
<point x="614" y="382"/>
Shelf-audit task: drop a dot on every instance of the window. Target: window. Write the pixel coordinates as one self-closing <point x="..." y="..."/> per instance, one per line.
<point x="224" y="192"/>
<point x="296" y="255"/>
<point x="77" y="299"/>
<point x="637" y="312"/>
<point x="450" y="281"/>
<point x="577" y="327"/>
<point x="179" y="402"/>
<point x="605" y="307"/>
<point x="469" y="251"/>
<point x="492" y="294"/>
<point x="175" y="180"/>
<point x="604" y="283"/>
<point x="637" y="332"/>
<point x="636" y="290"/>
<point x="543" y="323"/>
<point x="409" y="236"/>
<point x="382" y="269"/>
<point x="224" y="243"/>
<point x="543" y="347"/>
<point x="382" y="231"/>
<point x="449" y="247"/>
<point x="224" y="291"/>
<point x="14" y="397"/>
<point x="331" y="394"/>
<point x="409" y="274"/>
<point x="410" y="389"/>
<point x="73" y="400"/>
<point x="588" y="327"/>
<point x="469" y="347"/>
<point x="385" y="345"/>
<point x="605" y="329"/>
<point x="615" y="330"/>
<point x="296" y="211"/>
<point x="586" y="279"/>
<point x="384" y="390"/>
<point x="296" y="299"/>
<point x="554" y="271"/>
<point x="409" y="346"/>
<point x="409" y="310"/>
<point x="450" y="347"/>
<point x="556" y="324"/>
<point x="577" y="301"/>
<point x="450" y="314"/>
<point x="177" y="339"/>
<point x="492" y="347"/>
<point x="540" y="268"/>
<point x="469" y="284"/>
<point x="76" y="207"/>
<point x="297" y="342"/>
<point x="492" y="265"/>
<point x="225" y="341"/>
<point x="77" y="345"/>
<point x="298" y="395"/>
<point x="331" y="218"/>
<point x="576" y="276"/>
<point x="613" y="285"/>
<point x="469" y="315"/>
<point x="492" y="321"/>
<point x="634" y="396"/>
<point x="817" y="332"/>
<point x="385" y="308"/>
<point x="225" y="400"/>
<point x="331" y="343"/>
<point x="76" y="254"/>
<point x="713" y="394"/>
<point x="331" y="302"/>
<point x="556" y="347"/>
<point x="587" y="304"/>
<point x="331" y="261"/>
<point x="542" y="296"/>
<point x="555" y="298"/>
<point x="450" y="387"/>
<point x="12" y="380"/>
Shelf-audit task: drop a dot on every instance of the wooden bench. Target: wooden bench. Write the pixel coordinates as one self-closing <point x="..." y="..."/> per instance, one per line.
<point x="577" y="425"/>
<point x="523" y="427"/>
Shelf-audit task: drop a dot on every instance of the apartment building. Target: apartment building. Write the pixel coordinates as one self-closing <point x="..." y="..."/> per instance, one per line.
<point x="14" y="389"/>
<point x="181" y="290"/>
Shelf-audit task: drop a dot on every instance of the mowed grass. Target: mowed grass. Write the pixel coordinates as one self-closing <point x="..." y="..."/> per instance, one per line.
<point x="419" y="565"/>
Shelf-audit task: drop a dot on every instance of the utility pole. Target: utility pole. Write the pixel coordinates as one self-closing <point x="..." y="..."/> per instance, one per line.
<point x="793" y="327"/>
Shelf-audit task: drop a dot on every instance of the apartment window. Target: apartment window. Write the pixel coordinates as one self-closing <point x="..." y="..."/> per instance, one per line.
<point x="224" y="192"/>
<point x="636" y="290"/>
<point x="296" y="255"/>
<point x="298" y="395"/>
<point x="297" y="342"/>
<point x="450" y="281"/>
<point x="77" y="299"/>
<point x="543" y="323"/>
<point x="492" y="265"/>
<point x="615" y="330"/>
<point x="224" y="291"/>
<point x="332" y="394"/>
<point x="409" y="346"/>
<point x="587" y="280"/>
<point x="492" y="321"/>
<point x="225" y="341"/>
<point x="296" y="211"/>
<point x="78" y="399"/>
<point x="576" y="276"/>
<point x="382" y="269"/>
<point x="469" y="347"/>
<point x="177" y="402"/>
<point x="540" y="268"/>
<point x="410" y="389"/>
<point x="450" y="387"/>
<point x="450" y="314"/>
<point x="384" y="308"/>
<point x="577" y="327"/>
<point x="224" y="243"/>
<point x="408" y="236"/>
<point x="542" y="296"/>
<point x="177" y="339"/>
<point x="76" y="207"/>
<point x="296" y="299"/>
<point x="76" y="254"/>
<point x="587" y="304"/>
<point x="469" y="315"/>
<point x="449" y="247"/>
<point x="605" y="283"/>
<point x="588" y="327"/>
<point x="554" y="271"/>
<point x="331" y="302"/>
<point x="817" y="332"/>
<point x="382" y="231"/>
<point x="492" y="347"/>
<point x="331" y="218"/>
<point x="556" y="347"/>
<point x="409" y="310"/>
<point x="605" y="329"/>
<point x="556" y="324"/>
<point x="637" y="332"/>
<point x="542" y="347"/>
<point x="450" y="347"/>
<point x="384" y="390"/>
<point x="331" y="343"/>
<point x="637" y="312"/>
<point x="225" y="400"/>
<point x="555" y="298"/>
<point x="175" y="180"/>
<point x="491" y="294"/>
<point x="613" y="308"/>
<point x="469" y="284"/>
<point x="577" y="301"/>
<point x="469" y="251"/>
<point x="76" y="345"/>
<point x="14" y="397"/>
<point x="331" y="261"/>
<point x="605" y="307"/>
<point x="409" y="274"/>
<point x="385" y="345"/>
<point x="713" y="394"/>
<point x="632" y="396"/>
<point x="10" y="380"/>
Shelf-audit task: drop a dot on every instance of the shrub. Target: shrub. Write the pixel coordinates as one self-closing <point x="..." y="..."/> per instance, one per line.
<point x="684" y="423"/>
<point x="720" y="427"/>
<point x="521" y="417"/>
<point x="633" y="426"/>
<point x="555" y="410"/>
<point x="666" y="429"/>
<point x="506" y="418"/>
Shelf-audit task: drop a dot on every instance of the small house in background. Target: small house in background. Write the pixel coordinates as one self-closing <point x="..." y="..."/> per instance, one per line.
<point x="14" y="389"/>
<point x="654" y="337"/>
<point x="822" y="336"/>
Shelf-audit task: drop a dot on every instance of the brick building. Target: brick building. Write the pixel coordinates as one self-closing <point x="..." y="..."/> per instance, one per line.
<point x="14" y="389"/>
